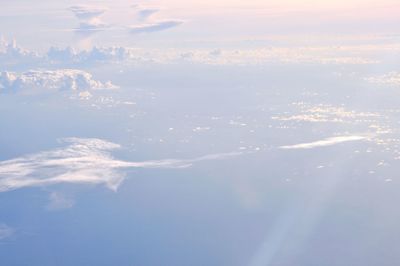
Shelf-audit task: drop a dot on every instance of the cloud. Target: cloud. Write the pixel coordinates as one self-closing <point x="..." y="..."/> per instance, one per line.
<point x="49" y="81"/>
<point x="89" y="18"/>
<point x="96" y="54"/>
<point x="324" y="142"/>
<point x="325" y="113"/>
<point x="149" y="24"/>
<point x="6" y="231"/>
<point x="59" y="201"/>
<point x="145" y="13"/>
<point x="82" y="161"/>
<point x="84" y="12"/>
<point x="89" y="27"/>
<point x="391" y="79"/>
<point x="11" y="53"/>
<point x="156" y="26"/>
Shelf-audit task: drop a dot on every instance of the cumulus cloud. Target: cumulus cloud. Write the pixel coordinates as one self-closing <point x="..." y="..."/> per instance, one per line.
<point x="58" y="80"/>
<point x="82" y="161"/>
<point x="11" y="53"/>
<point x="96" y="54"/>
<point x="324" y="142"/>
<point x="21" y="59"/>
<point x="6" y="231"/>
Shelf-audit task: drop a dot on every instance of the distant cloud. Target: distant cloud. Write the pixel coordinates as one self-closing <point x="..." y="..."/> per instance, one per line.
<point x="149" y="24"/>
<point x="84" y="12"/>
<point x="82" y="161"/>
<point x="47" y="81"/>
<point x="147" y="12"/>
<point x="324" y="142"/>
<point x="89" y="18"/>
<point x="154" y="27"/>
<point x="96" y="54"/>
<point x="391" y="79"/>
<point x="11" y="54"/>
<point x="325" y="113"/>
<point x="58" y="201"/>
<point x="89" y="27"/>
<point x="6" y="231"/>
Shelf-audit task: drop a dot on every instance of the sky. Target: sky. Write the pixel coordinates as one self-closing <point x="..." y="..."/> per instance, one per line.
<point x="199" y="21"/>
<point x="171" y="132"/>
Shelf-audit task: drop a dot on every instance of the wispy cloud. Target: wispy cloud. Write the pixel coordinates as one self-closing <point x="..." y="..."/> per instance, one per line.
<point x="6" y="231"/>
<point x="82" y="161"/>
<point x="324" y="142"/>
<point x="148" y="23"/>
<point x="89" y="18"/>
<point x="85" y="12"/>
<point x="156" y="26"/>
<point x="59" y="201"/>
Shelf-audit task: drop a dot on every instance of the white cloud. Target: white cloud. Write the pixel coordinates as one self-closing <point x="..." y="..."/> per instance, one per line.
<point x="11" y="53"/>
<point x="96" y="54"/>
<point x="6" y="231"/>
<point x="392" y="79"/>
<point x="58" y="80"/>
<point x="323" y="113"/>
<point x="324" y="142"/>
<point x="83" y="161"/>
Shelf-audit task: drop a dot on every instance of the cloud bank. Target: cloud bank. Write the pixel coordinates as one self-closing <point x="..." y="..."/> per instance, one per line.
<point x="82" y="161"/>
<point x="324" y="142"/>
<point x="391" y="79"/>
<point x="21" y="59"/>
<point x="11" y="53"/>
<point x="144" y="13"/>
<point x="47" y="81"/>
<point x="96" y="54"/>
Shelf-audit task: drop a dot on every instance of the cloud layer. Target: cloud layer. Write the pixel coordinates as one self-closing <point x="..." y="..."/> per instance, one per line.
<point x="82" y="161"/>
<point x="391" y="79"/>
<point x="13" y="55"/>
<point x="57" y="80"/>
